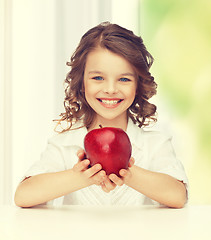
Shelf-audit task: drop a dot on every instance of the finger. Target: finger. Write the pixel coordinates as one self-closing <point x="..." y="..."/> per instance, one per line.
<point x="93" y="170"/>
<point x="131" y="162"/>
<point x="81" y="154"/>
<point x="114" y="178"/>
<point x="82" y="165"/>
<point x="99" y="177"/>
<point x="104" y="187"/>
<point x="109" y="186"/>
<point x="125" y="173"/>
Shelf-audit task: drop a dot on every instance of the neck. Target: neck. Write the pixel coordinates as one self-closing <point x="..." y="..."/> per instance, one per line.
<point x="122" y="123"/>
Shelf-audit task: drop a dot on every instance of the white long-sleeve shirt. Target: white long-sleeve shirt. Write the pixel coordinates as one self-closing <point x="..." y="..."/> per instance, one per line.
<point x="151" y="150"/>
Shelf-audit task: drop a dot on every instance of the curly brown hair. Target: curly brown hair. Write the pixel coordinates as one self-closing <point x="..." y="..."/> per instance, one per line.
<point x="124" y="43"/>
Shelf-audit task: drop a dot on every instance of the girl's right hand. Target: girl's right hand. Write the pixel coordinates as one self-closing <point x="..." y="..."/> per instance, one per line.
<point x="92" y="175"/>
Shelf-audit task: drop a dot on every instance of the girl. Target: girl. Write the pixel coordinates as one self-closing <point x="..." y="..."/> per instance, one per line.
<point x="109" y="84"/>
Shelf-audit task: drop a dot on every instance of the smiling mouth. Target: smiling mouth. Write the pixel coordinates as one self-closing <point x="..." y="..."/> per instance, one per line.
<point x="110" y="102"/>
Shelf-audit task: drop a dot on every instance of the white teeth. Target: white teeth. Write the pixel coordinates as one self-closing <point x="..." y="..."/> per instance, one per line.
<point x="110" y="102"/>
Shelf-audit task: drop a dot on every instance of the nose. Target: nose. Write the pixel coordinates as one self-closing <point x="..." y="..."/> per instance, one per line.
<point x="110" y="87"/>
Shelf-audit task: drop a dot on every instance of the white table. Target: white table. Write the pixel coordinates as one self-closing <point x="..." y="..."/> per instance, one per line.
<point x="76" y="222"/>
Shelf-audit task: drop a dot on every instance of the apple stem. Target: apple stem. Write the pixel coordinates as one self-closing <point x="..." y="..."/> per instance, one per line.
<point x="100" y="126"/>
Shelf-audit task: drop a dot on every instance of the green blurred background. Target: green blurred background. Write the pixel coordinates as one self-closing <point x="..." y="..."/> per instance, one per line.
<point x="178" y="35"/>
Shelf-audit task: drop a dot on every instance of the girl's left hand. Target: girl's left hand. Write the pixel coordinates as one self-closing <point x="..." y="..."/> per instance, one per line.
<point x="113" y="180"/>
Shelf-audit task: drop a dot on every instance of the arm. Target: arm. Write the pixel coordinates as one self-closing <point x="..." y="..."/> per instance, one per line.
<point x="157" y="186"/>
<point x="45" y="187"/>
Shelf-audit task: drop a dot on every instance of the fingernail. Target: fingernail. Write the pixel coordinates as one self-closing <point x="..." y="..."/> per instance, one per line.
<point x="98" y="166"/>
<point x="86" y="161"/>
<point x="79" y="154"/>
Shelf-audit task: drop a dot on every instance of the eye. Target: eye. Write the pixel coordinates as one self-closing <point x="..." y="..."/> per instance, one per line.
<point x="124" y="79"/>
<point x="98" y="78"/>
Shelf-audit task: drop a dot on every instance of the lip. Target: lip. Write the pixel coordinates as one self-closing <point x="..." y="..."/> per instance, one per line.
<point x="110" y="102"/>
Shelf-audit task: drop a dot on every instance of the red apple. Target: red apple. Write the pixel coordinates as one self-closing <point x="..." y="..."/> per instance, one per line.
<point x="110" y="147"/>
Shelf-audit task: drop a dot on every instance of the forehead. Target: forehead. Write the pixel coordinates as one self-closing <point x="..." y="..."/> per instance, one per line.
<point x="101" y="59"/>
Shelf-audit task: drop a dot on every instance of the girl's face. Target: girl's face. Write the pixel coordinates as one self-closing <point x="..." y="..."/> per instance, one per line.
<point x="110" y="86"/>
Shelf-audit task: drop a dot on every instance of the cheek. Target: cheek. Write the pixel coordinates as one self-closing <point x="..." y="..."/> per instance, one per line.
<point x="87" y="88"/>
<point x="87" y="94"/>
<point x="90" y="92"/>
<point x="132" y="93"/>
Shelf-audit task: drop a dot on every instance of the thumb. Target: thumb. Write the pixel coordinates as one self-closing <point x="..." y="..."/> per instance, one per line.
<point x="131" y="162"/>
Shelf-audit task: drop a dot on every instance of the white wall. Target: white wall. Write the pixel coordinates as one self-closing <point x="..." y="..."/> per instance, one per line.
<point x="5" y="100"/>
<point x="126" y="13"/>
<point x="2" y="99"/>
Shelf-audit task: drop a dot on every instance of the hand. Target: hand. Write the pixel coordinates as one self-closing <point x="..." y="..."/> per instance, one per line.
<point x="92" y="175"/>
<point x="113" y="180"/>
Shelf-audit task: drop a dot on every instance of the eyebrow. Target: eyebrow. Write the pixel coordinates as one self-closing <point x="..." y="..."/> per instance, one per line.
<point x="95" y="72"/>
<point x="122" y="74"/>
<point x="128" y="74"/>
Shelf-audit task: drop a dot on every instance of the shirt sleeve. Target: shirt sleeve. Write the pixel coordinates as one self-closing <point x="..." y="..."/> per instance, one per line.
<point x="164" y="160"/>
<point x="51" y="160"/>
<point x="55" y="158"/>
